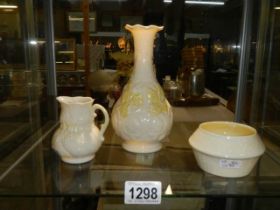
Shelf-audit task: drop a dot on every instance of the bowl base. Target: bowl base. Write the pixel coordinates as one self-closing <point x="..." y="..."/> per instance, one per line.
<point x="224" y="167"/>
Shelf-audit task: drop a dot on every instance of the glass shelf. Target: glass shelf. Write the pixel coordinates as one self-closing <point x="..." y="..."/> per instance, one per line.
<point x="175" y="166"/>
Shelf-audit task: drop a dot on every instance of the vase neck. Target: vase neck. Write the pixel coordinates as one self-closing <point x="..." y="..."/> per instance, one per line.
<point x="143" y="55"/>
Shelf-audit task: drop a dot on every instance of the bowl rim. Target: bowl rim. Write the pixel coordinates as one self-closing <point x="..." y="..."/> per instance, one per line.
<point x="227" y="122"/>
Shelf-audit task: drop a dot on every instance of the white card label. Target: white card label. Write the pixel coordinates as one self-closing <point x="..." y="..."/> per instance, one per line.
<point x="142" y="192"/>
<point x="225" y="163"/>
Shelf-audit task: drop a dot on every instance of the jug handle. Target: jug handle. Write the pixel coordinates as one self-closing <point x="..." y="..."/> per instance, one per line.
<point x="104" y="125"/>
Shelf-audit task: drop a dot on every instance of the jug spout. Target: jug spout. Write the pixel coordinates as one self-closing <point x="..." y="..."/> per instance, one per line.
<point x="60" y="99"/>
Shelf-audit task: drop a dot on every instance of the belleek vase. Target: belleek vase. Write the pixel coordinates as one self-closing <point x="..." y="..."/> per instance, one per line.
<point x="142" y="116"/>
<point x="78" y="138"/>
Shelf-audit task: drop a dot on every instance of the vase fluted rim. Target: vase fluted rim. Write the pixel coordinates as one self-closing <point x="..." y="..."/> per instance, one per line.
<point x="128" y="27"/>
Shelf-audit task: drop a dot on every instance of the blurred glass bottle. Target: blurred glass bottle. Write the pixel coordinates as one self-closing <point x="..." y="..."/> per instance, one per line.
<point x="172" y="89"/>
<point x="196" y="83"/>
<point x="183" y="79"/>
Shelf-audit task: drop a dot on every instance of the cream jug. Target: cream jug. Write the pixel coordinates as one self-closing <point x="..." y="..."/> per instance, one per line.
<point x="78" y="138"/>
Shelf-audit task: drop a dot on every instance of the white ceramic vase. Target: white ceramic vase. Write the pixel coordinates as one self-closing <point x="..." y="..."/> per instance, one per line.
<point x="142" y="116"/>
<point x="78" y="138"/>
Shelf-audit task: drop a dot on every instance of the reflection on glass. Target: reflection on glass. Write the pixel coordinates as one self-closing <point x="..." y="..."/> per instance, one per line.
<point x="22" y="94"/>
<point x="265" y="111"/>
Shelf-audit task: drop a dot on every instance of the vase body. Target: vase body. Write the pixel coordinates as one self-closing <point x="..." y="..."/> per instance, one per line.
<point x="78" y="138"/>
<point x="142" y="116"/>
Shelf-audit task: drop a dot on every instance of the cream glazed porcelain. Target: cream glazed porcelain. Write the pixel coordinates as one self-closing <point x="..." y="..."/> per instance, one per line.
<point x="226" y="149"/>
<point x="77" y="138"/>
<point x="142" y="116"/>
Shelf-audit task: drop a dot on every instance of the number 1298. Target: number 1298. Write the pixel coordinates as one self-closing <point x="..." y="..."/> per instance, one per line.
<point x="142" y="192"/>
